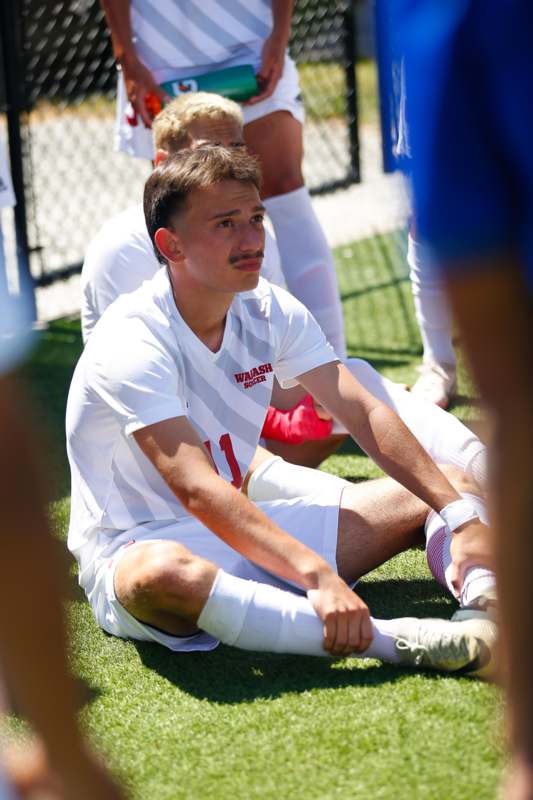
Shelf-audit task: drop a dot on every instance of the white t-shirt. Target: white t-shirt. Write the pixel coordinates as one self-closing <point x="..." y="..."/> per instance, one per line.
<point x="143" y="364"/>
<point x="121" y="257"/>
<point x="192" y="33"/>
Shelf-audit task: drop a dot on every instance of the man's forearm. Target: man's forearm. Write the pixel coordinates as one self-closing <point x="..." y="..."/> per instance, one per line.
<point x="31" y="615"/>
<point x="380" y="432"/>
<point x="282" y="18"/>
<point x="245" y="528"/>
<point x="389" y="442"/>
<point x="117" y="14"/>
<point x="175" y="450"/>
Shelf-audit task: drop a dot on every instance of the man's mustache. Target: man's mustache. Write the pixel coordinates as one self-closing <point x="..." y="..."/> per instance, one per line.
<point x="247" y="257"/>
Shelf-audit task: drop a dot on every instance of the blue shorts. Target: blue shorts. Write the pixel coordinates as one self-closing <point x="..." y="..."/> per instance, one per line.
<point x="469" y="79"/>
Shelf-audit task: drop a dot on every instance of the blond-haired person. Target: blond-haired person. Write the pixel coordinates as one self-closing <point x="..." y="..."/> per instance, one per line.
<point x="121" y="256"/>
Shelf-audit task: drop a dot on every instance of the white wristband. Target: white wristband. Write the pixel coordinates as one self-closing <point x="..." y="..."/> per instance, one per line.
<point x="457" y="513"/>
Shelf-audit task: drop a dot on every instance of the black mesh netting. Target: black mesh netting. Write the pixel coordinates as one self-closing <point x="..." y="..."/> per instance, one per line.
<point x="75" y="180"/>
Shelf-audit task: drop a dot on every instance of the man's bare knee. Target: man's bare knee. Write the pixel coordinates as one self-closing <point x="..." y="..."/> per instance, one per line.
<point x="163" y="577"/>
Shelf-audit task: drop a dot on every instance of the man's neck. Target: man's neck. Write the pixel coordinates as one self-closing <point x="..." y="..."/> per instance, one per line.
<point x="202" y="310"/>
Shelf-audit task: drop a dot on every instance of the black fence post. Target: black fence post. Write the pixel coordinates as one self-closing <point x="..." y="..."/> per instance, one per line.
<point x="15" y="105"/>
<point x="350" y="49"/>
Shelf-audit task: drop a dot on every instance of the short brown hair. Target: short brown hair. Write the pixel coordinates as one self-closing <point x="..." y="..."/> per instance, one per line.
<point x="167" y="188"/>
<point x="171" y="126"/>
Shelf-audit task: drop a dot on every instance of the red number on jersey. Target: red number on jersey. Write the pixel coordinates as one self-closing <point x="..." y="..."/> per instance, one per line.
<point x="226" y="446"/>
<point x="208" y="446"/>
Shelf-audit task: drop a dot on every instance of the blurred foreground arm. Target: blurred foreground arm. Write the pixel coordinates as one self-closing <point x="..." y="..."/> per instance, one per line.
<point x="32" y="633"/>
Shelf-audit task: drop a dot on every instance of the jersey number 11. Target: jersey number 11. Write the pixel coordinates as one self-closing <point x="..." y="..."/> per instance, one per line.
<point x="226" y="446"/>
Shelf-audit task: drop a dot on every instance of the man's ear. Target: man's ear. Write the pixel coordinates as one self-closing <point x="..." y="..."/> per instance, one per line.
<point x="168" y="244"/>
<point x="160" y="156"/>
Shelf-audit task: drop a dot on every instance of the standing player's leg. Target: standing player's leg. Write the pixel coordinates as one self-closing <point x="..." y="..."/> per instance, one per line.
<point x="438" y="371"/>
<point x="501" y="354"/>
<point x="306" y="257"/>
<point x="473" y="184"/>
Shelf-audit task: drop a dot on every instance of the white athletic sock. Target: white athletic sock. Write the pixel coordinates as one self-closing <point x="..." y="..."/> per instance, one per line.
<point x="431" y="305"/>
<point x="441" y="434"/>
<point x="478" y="580"/>
<point x="307" y="262"/>
<point x="256" y="616"/>
<point x="277" y="479"/>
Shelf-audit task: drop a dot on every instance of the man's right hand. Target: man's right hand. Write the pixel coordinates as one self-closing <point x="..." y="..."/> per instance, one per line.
<point x="346" y="618"/>
<point x="140" y="83"/>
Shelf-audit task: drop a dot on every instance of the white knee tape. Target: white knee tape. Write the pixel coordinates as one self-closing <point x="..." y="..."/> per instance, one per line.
<point x="277" y="479"/>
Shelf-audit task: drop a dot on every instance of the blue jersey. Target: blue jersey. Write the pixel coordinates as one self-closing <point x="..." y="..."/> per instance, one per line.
<point x="469" y="87"/>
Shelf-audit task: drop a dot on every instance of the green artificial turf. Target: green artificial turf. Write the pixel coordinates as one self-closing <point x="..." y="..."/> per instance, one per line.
<point x="239" y="725"/>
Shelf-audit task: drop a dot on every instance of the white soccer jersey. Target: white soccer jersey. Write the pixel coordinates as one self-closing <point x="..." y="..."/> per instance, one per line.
<point x="192" y="33"/>
<point x="142" y="365"/>
<point x="121" y="257"/>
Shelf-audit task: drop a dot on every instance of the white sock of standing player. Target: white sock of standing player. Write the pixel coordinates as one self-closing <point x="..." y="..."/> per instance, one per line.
<point x="307" y="262"/>
<point x="478" y="582"/>
<point x="431" y="306"/>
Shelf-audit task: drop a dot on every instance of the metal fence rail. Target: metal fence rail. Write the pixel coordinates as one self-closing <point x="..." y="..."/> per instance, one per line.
<point x="60" y="104"/>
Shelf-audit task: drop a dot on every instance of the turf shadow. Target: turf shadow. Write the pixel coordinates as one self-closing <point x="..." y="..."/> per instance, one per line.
<point x="228" y="675"/>
<point x="396" y="597"/>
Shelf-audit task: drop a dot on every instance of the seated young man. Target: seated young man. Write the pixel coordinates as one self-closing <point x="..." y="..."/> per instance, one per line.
<point x="164" y="415"/>
<point x="122" y="256"/>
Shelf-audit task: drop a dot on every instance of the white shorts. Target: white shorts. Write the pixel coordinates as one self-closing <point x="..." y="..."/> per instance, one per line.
<point x="133" y="138"/>
<point x="312" y="520"/>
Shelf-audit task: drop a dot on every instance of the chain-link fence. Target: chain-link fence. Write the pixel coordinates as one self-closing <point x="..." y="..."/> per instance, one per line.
<point x="74" y="180"/>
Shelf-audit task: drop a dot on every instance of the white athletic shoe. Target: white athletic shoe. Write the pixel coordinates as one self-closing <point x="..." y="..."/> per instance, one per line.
<point x="436" y="383"/>
<point x="463" y="647"/>
<point x="487" y="630"/>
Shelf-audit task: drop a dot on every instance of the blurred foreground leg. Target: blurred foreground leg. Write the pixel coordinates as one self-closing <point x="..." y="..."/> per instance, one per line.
<point x="495" y="313"/>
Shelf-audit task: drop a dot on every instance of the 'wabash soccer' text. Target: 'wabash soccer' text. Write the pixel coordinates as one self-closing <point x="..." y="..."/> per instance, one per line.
<point x="255" y="375"/>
